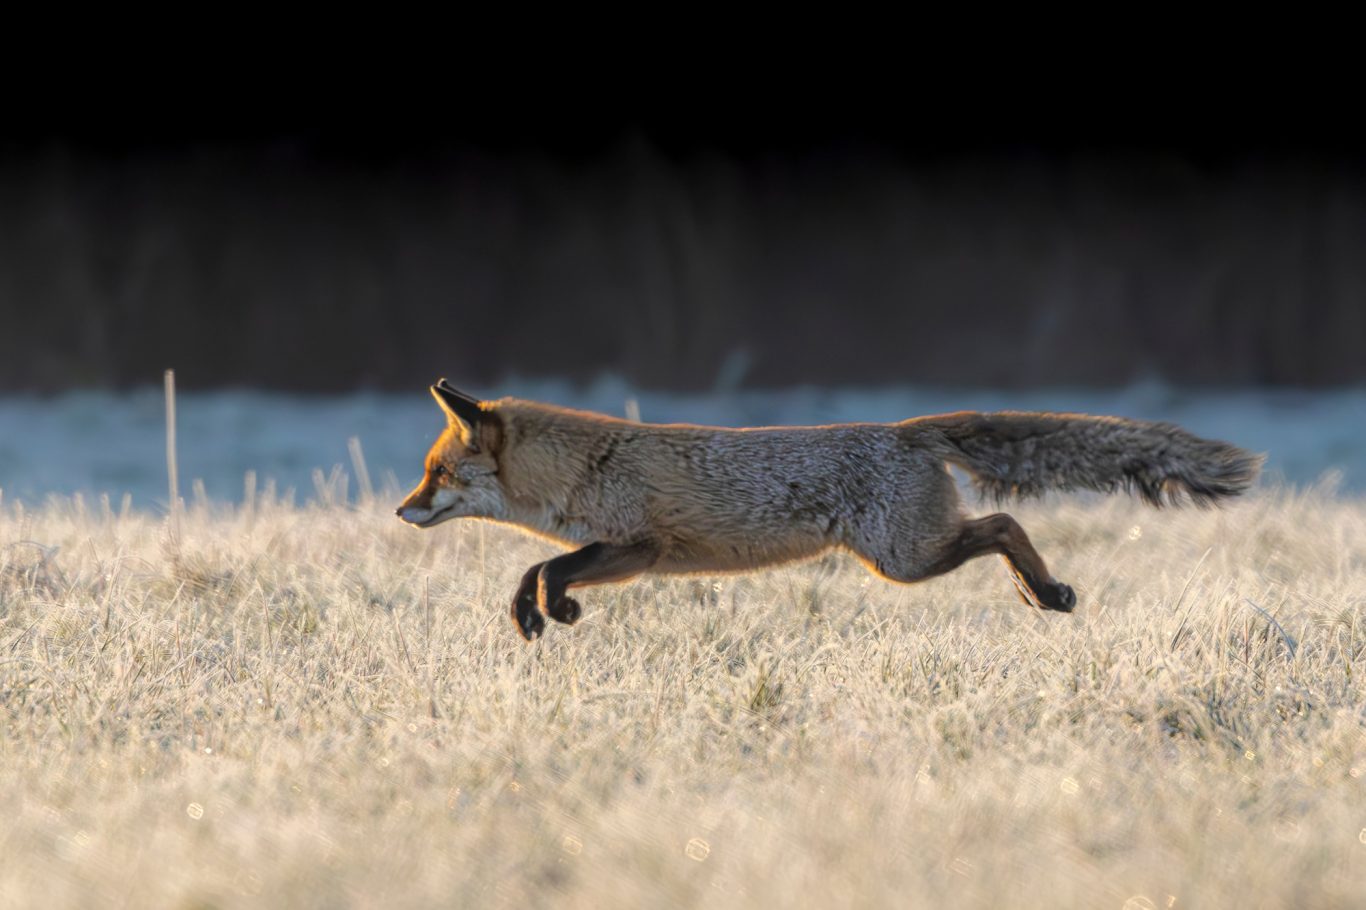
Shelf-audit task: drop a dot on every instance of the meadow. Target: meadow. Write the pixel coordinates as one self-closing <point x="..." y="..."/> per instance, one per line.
<point x="315" y="706"/>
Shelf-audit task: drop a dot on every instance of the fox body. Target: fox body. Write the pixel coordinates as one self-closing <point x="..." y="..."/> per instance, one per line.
<point x="637" y="498"/>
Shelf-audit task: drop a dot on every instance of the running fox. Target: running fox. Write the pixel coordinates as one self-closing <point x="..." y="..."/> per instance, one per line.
<point x="676" y="498"/>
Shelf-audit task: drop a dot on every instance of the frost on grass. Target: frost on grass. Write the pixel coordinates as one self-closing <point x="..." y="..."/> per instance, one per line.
<point x="320" y="707"/>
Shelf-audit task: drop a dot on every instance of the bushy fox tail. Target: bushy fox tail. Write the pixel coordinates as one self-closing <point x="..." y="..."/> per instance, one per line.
<point x="1024" y="454"/>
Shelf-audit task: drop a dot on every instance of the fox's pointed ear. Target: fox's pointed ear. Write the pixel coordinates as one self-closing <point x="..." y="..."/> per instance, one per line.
<point x="457" y="405"/>
<point x="481" y="429"/>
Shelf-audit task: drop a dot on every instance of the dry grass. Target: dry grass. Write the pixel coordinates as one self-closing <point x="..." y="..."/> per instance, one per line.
<point x="320" y="707"/>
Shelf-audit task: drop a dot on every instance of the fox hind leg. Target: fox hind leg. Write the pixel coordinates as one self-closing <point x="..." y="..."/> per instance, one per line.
<point x="999" y="534"/>
<point x="1002" y="534"/>
<point x="1027" y="596"/>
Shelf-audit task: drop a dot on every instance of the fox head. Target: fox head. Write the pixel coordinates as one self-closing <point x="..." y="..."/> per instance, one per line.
<point x="461" y="477"/>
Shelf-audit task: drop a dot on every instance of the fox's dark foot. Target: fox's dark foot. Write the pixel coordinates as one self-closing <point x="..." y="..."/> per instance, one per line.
<point x="525" y="614"/>
<point x="1048" y="595"/>
<point x="529" y="620"/>
<point x="565" y="610"/>
<point x="1058" y="596"/>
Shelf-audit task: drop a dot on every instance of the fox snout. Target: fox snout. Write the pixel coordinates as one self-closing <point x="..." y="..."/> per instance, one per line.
<point x="418" y="517"/>
<point x="441" y="497"/>
<point x="418" y="508"/>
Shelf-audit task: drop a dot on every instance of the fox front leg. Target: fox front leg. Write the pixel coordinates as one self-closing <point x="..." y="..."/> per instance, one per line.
<point x="531" y="599"/>
<point x="544" y="585"/>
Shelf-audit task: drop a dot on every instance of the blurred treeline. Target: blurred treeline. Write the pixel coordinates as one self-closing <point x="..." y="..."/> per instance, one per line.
<point x="266" y="265"/>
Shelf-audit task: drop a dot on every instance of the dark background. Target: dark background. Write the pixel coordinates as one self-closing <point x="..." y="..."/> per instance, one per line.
<point x="763" y="244"/>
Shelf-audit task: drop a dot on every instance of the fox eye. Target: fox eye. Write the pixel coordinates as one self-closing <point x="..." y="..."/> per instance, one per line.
<point x="440" y="471"/>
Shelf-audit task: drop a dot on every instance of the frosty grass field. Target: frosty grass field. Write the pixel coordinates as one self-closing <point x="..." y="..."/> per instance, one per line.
<point x="317" y="706"/>
<point x="312" y="705"/>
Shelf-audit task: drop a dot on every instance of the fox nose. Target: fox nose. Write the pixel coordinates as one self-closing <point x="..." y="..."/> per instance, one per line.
<point x="399" y="511"/>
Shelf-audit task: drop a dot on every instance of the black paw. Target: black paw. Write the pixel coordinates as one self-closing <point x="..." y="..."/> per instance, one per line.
<point x="565" y="610"/>
<point x="1060" y="597"/>
<point x="529" y="620"/>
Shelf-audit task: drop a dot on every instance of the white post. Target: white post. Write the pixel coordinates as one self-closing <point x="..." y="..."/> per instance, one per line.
<point x="172" y="472"/>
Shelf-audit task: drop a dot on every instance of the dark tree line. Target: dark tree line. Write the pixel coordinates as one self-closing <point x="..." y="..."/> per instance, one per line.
<point x="264" y="266"/>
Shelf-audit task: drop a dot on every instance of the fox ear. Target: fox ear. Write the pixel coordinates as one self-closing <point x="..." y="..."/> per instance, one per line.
<point x="481" y="428"/>
<point x="457" y="405"/>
